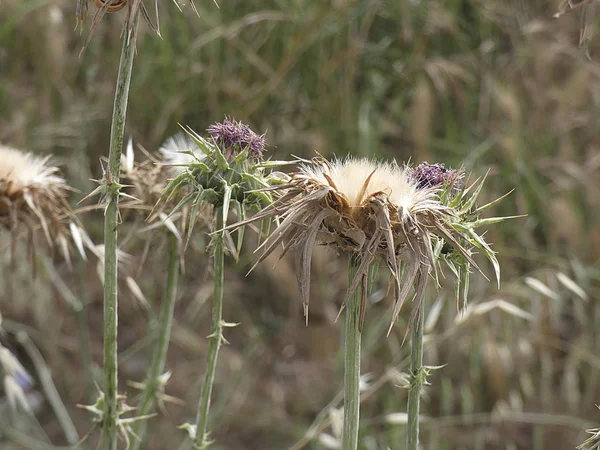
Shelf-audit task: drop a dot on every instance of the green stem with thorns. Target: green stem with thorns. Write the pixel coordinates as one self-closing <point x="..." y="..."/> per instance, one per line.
<point x="352" y="363"/>
<point x="165" y="322"/>
<point x="111" y="180"/>
<point x="201" y="439"/>
<point x="417" y="376"/>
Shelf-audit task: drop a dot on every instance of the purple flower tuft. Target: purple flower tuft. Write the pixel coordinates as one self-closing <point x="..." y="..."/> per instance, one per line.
<point x="436" y="175"/>
<point x="234" y="137"/>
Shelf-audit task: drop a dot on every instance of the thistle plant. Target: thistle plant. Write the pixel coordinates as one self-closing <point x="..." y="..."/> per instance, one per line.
<point x="226" y="170"/>
<point x="414" y="218"/>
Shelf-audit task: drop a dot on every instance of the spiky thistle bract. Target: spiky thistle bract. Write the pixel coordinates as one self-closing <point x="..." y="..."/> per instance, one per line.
<point x="377" y="211"/>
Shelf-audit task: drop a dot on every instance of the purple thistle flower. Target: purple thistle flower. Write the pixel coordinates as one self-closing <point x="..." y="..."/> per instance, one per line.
<point x="436" y="175"/>
<point x="234" y="137"/>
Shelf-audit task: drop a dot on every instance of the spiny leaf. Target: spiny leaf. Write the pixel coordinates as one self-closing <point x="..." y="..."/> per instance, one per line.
<point x="174" y="185"/>
<point x="202" y="143"/>
<point x="241" y="213"/>
<point x="466" y="207"/>
<point x="493" y="202"/>
<point x="220" y="159"/>
<point x="492" y="220"/>
<point x="184" y="201"/>
<point x="226" y="201"/>
<point x="464" y="280"/>
<point x="241" y="156"/>
<point x="193" y="213"/>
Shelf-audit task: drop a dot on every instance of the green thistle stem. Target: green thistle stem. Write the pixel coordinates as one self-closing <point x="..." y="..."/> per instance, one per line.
<point x="110" y="239"/>
<point x="416" y="380"/>
<point x="165" y="322"/>
<point x="352" y="363"/>
<point x="216" y="336"/>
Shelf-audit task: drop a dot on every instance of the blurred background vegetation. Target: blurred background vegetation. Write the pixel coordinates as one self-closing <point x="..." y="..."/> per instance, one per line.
<point x="498" y="85"/>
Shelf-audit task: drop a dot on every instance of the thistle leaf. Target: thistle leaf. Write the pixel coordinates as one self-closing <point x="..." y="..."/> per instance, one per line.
<point x="193" y="213"/>
<point x="226" y="201"/>
<point x="466" y="207"/>
<point x="493" y="202"/>
<point x="492" y="220"/>
<point x="241" y="213"/>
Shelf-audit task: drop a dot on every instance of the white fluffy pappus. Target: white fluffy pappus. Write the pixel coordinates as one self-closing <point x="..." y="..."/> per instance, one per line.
<point x="175" y="151"/>
<point x="21" y="172"/>
<point x="32" y="195"/>
<point x="361" y="178"/>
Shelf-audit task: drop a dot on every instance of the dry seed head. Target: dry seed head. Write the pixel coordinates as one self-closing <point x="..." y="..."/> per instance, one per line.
<point x="150" y="177"/>
<point x="33" y="194"/>
<point x="350" y="175"/>
<point x="21" y="172"/>
<point x="148" y="180"/>
<point x="367" y="208"/>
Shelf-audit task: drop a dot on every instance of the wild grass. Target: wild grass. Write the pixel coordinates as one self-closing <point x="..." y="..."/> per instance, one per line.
<point x="499" y="85"/>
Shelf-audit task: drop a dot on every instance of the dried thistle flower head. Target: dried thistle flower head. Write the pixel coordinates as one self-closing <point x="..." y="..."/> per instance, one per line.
<point x="148" y="179"/>
<point x="134" y="7"/>
<point x="233" y="137"/>
<point x="33" y="195"/>
<point x="371" y="210"/>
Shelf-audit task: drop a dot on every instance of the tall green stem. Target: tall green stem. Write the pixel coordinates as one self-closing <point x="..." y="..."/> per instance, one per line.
<point x="111" y="179"/>
<point x="352" y="363"/>
<point x="215" y="337"/>
<point x="416" y="381"/>
<point x="165" y="322"/>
